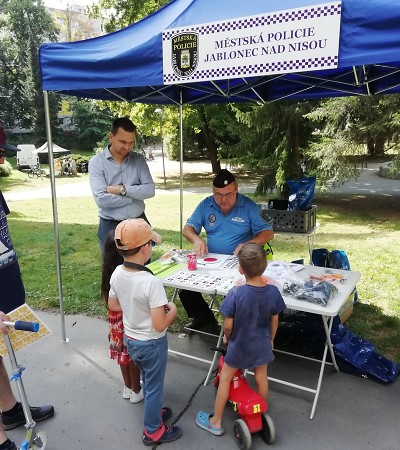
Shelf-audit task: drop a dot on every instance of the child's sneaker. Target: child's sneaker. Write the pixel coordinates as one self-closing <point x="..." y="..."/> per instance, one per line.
<point x="136" y="398"/>
<point x="126" y="393"/>
<point x="170" y="434"/>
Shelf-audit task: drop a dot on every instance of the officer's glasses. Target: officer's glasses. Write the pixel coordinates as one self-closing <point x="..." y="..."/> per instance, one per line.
<point x="228" y="196"/>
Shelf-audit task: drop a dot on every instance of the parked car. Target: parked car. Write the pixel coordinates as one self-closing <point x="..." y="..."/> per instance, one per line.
<point x="27" y="157"/>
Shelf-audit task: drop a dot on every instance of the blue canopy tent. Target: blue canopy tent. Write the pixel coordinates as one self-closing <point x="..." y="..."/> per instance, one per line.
<point x="128" y="65"/>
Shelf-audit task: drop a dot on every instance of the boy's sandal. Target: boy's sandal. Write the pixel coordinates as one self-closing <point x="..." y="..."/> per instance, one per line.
<point x="203" y="421"/>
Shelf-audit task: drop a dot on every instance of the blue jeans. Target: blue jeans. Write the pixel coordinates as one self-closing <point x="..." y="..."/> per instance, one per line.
<point x="151" y="358"/>
<point x="108" y="225"/>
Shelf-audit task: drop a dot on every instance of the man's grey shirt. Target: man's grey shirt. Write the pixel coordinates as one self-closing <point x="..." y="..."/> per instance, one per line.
<point x="133" y="173"/>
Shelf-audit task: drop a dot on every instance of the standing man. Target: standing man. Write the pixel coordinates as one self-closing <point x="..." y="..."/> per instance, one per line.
<point x="12" y="295"/>
<point x="120" y="179"/>
<point x="229" y="219"/>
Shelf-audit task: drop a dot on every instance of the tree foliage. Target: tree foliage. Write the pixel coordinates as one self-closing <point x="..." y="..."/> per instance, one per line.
<point x="73" y="25"/>
<point x="93" y="123"/>
<point x="117" y="14"/>
<point x="282" y="140"/>
<point x="25" y="26"/>
<point x="369" y="121"/>
<point x="272" y="140"/>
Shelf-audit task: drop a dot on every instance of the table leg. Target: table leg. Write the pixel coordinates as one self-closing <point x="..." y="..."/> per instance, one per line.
<point x="216" y="354"/>
<point x="328" y="344"/>
<point x="311" y="239"/>
<point x="328" y="330"/>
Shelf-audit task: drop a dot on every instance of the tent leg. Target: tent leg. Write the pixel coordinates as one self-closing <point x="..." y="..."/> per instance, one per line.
<point x="55" y="213"/>
<point x="181" y="168"/>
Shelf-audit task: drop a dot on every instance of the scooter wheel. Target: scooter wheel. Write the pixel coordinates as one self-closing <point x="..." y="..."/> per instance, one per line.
<point x="242" y="434"/>
<point x="39" y="443"/>
<point x="267" y="432"/>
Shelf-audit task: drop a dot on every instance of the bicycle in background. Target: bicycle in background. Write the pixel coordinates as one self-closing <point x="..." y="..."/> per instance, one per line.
<point x="35" y="171"/>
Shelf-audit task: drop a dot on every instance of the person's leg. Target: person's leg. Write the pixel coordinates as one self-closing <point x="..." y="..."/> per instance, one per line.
<point x="126" y="376"/>
<point x="12" y="414"/>
<point x="196" y="308"/>
<point x="131" y="376"/>
<point x="105" y="226"/>
<point x="222" y="397"/>
<point x="151" y="358"/>
<point x="134" y="375"/>
<point x="261" y="378"/>
<point x="7" y="399"/>
<point x="3" y="436"/>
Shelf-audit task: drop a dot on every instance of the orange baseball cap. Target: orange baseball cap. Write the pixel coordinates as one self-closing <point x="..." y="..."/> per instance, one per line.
<point x="133" y="233"/>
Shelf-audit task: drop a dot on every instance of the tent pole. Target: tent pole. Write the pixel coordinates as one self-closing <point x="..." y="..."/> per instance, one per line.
<point x="55" y="213"/>
<point x="181" y="167"/>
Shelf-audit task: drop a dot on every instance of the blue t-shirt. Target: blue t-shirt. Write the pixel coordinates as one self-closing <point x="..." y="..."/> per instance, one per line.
<point x="251" y="307"/>
<point x="225" y="233"/>
<point x="12" y="292"/>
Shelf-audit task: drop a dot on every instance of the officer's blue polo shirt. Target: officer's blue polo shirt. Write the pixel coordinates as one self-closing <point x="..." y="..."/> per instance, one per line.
<point x="225" y="233"/>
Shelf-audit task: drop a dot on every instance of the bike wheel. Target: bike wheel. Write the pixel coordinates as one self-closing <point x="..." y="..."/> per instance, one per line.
<point x="267" y="432"/>
<point x="31" y="174"/>
<point x="242" y="434"/>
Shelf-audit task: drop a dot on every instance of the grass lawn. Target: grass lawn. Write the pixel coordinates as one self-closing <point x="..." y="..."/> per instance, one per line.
<point x="367" y="228"/>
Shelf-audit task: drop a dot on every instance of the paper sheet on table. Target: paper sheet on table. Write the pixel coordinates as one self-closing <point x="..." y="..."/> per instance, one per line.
<point x="221" y="261"/>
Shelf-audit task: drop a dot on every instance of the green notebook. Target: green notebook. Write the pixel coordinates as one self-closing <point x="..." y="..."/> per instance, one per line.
<point x="161" y="270"/>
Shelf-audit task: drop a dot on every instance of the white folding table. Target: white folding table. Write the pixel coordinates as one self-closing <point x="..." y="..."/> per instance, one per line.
<point x="218" y="281"/>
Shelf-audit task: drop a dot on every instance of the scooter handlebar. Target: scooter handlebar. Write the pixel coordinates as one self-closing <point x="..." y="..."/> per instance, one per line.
<point x="23" y="326"/>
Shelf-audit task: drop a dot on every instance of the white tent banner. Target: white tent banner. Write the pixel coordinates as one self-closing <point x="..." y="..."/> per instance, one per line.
<point x="292" y="40"/>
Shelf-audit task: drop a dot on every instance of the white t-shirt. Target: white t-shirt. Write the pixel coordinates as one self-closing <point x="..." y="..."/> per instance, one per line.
<point x="138" y="293"/>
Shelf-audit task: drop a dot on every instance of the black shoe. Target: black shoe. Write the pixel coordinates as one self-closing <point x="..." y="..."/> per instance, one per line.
<point x="10" y="446"/>
<point x="170" y="434"/>
<point x="213" y="328"/>
<point x="198" y="323"/>
<point x="39" y="413"/>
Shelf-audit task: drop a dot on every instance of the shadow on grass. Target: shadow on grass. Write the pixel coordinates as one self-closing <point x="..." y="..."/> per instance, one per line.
<point x="382" y="330"/>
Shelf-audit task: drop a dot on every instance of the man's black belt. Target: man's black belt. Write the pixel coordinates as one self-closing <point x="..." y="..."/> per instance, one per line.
<point x="116" y="222"/>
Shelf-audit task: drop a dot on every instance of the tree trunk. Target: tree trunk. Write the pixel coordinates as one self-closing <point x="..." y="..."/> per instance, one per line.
<point x="379" y="146"/>
<point x="296" y="147"/>
<point x="210" y="144"/>
<point x="376" y="146"/>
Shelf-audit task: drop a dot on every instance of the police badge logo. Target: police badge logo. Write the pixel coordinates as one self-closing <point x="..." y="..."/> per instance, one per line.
<point x="212" y="219"/>
<point x="184" y="54"/>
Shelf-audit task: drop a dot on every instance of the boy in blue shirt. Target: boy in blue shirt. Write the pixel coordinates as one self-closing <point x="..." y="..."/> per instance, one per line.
<point x="250" y="324"/>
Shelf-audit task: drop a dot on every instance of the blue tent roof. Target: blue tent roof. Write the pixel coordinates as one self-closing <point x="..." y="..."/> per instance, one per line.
<point x="128" y="64"/>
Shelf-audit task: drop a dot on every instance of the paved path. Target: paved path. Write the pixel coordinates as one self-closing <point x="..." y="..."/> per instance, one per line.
<point x="369" y="182"/>
<point x="85" y="387"/>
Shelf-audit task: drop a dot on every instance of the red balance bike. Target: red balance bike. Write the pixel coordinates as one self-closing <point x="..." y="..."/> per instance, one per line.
<point x="33" y="440"/>
<point x="251" y="408"/>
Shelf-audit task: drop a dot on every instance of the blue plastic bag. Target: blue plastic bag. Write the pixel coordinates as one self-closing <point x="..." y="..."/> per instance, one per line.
<point x="336" y="259"/>
<point x="301" y="193"/>
<point x="304" y="333"/>
<point x="357" y="356"/>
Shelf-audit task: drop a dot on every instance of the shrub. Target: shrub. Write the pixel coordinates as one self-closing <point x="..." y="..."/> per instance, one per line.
<point x="392" y="170"/>
<point x="5" y="169"/>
